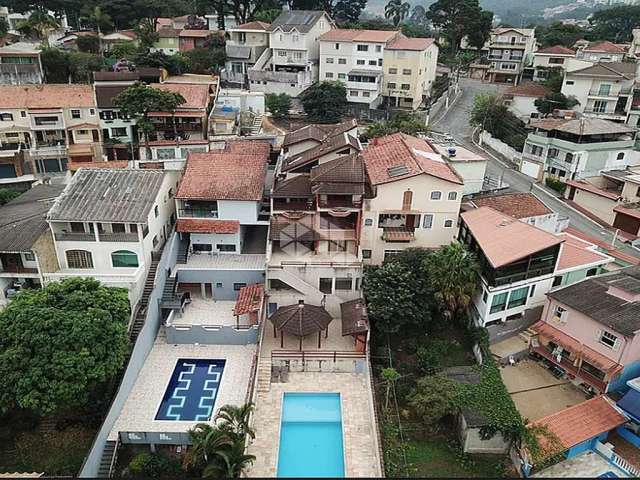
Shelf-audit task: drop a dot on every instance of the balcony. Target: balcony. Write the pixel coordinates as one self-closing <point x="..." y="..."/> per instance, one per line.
<point x="610" y="93"/>
<point x="337" y="234"/>
<point x="19" y="68"/>
<point x="75" y="237"/>
<point x="197" y="213"/>
<point x="118" y="237"/>
<point x="508" y="43"/>
<point x="180" y="127"/>
<point x="46" y="150"/>
<point x="369" y="86"/>
<point x="282" y="205"/>
<point x="570" y="369"/>
<point x="339" y="203"/>
<point x="47" y="123"/>
<point x="398" y="234"/>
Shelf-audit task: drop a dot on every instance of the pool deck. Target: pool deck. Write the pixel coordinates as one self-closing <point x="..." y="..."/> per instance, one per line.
<point x="207" y="312"/>
<point x="141" y="406"/>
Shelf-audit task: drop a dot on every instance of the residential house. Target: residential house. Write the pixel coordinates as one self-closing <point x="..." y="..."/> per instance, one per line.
<point x="415" y="199"/>
<point x="409" y="71"/>
<point x="119" y="37"/>
<point x="604" y="90"/>
<point x="26" y="243"/>
<point x="20" y="64"/>
<point x="627" y="222"/>
<point x="470" y="166"/>
<point x="108" y="223"/>
<point x="314" y="135"/>
<point x="188" y="39"/>
<point x="591" y="330"/>
<point x="510" y="51"/>
<point x="290" y="64"/>
<point x="244" y="46"/>
<point x="518" y="263"/>
<point x="355" y="57"/>
<point x="521" y="99"/>
<point x="549" y="58"/>
<point x="570" y="149"/>
<point x="602" y="52"/>
<point x="236" y="112"/>
<point x="168" y="41"/>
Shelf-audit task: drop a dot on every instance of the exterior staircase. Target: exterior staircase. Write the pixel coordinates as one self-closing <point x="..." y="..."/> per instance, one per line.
<point x="183" y="251"/>
<point x="264" y="376"/>
<point x="256" y="126"/>
<point x="108" y="459"/>
<point x="143" y="304"/>
<point x="527" y="334"/>
<point x="311" y="293"/>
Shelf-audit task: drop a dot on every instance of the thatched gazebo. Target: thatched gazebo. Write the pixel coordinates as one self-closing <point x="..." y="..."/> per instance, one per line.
<point x="300" y="320"/>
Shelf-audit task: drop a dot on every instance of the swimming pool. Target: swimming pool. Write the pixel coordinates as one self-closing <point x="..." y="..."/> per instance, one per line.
<point x="311" y="436"/>
<point x="192" y="390"/>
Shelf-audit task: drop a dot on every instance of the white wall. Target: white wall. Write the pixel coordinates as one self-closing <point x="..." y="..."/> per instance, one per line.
<point x="215" y="239"/>
<point x="523" y="107"/>
<point x="244" y="211"/>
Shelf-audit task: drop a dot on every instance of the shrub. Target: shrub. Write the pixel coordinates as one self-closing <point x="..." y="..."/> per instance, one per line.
<point x="557" y="185"/>
<point x="278" y="104"/>
<point x="429" y="357"/>
<point x="153" y="465"/>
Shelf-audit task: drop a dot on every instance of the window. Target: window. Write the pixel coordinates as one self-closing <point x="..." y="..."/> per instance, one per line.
<point x="436" y="195"/>
<point x="156" y="211"/>
<point x="536" y="150"/>
<point x="568" y="158"/>
<point x="620" y="156"/>
<point x="592" y="271"/>
<point x="353" y="93"/>
<point x="282" y="53"/>
<point x="238" y="286"/>
<point x="608" y="339"/>
<point x="92" y="111"/>
<point x="373" y="62"/>
<point x="379" y="62"/>
<point x="79" y="259"/>
<point x="360" y="62"/>
<point x="406" y="71"/>
<point x="427" y="222"/>
<point x="405" y="86"/>
<point x="155" y="241"/>
<point x="604" y="89"/>
<point x="378" y="48"/>
<point x="453" y="195"/>
<point x="366" y="253"/>
<point x="118" y="228"/>
<point x="23" y="114"/>
<point x="124" y="258"/>
<point x="202" y="247"/>
<point x="83" y="132"/>
<point x="559" y="314"/>
<point x="326" y="285"/>
<point x="342" y="61"/>
<point x="362" y="48"/>
<point x="533" y="290"/>
<point x="337" y="46"/>
<point x="368" y="222"/>
<point x="553" y="153"/>
<point x="557" y="281"/>
<point x="393" y="71"/>
<point x="569" y="82"/>
<point x="30" y="257"/>
<point x="366" y="94"/>
<point x="599" y="106"/>
<point x="556" y="61"/>
<point x="119" y="132"/>
<point x="218" y="284"/>
<point x="75" y="114"/>
<point x="328" y="75"/>
<point x="448" y="224"/>
<point x="484" y="296"/>
<point x="329" y="60"/>
<point x="344" y="283"/>
<point x="518" y="297"/>
<point x="499" y="302"/>
<point x="295" y="38"/>
<point x="77" y="227"/>
<point x="391" y="85"/>
<point x="225" y="248"/>
<point x="391" y="253"/>
<point x="6" y="117"/>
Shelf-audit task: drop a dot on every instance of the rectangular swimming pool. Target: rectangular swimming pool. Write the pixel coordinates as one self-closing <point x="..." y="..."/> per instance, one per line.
<point x="192" y="391"/>
<point x="311" y="436"/>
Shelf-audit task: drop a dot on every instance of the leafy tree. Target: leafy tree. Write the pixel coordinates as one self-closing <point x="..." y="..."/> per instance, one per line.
<point x="235" y="421"/>
<point x="402" y="122"/>
<point x="88" y="44"/>
<point x="479" y="30"/>
<point x="389" y="376"/>
<point x="205" y="60"/>
<point x="413" y="30"/>
<point x="58" y="343"/>
<point x="7" y="195"/>
<point x="39" y="25"/>
<point x="82" y="65"/>
<point x="206" y="443"/>
<point x="4" y="27"/>
<point x="266" y="15"/>
<point x="429" y="357"/>
<point x="552" y="101"/>
<point x="555" y="79"/>
<point x="175" y="64"/>
<point x="418" y="15"/>
<point x="457" y="18"/>
<point x="490" y="113"/>
<point x="99" y="20"/>
<point x="433" y="399"/>
<point x="232" y="462"/>
<point x="278" y="104"/>
<point x="325" y="102"/>
<point x="559" y="33"/>
<point x="453" y="273"/>
<point x="372" y="24"/>
<point x="122" y="50"/>
<point x="348" y="10"/>
<point x="154" y="465"/>
<point x="615" y="24"/>
<point x="146" y="33"/>
<point x="396" y="10"/>
<point x="56" y="65"/>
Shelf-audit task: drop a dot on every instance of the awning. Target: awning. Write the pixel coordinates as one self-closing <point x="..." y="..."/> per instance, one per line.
<point x="249" y="299"/>
<point x="397" y="234"/>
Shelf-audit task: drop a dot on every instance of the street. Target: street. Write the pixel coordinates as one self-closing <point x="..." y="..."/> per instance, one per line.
<point x="456" y="123"/>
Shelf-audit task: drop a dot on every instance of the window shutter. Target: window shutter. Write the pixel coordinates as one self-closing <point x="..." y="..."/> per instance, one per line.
<point x="616" y="345"/>
<point x="598" y="335"/>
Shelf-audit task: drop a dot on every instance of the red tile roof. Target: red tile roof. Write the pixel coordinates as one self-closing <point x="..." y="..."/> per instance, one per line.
<point x="113" y="164"/>
<point x="581" y="422"/>
<point x="588" y="187"/>
<point x="527" y="89"/>
<point x="503" y="239"/>
<point x="224" y="176"/>
<point x="557" y="50"/>
<point x="48" y="95"/>
<point x="604" y="47"/>
<point x="517" y="205"/>
<point x="249" y="299"/>
<point x="207" y="226"/>
<point x="196" y="95"/>
<point x="633" y="210"/>
<point x="403" y="43"/>
<point x="187" y="32"/>
<point x="605" y="246"/>
<point x="578" y="253"/>
<point x="413" y="153"/>
<point x="252" y="26"/>
<point x="352" y="35"/>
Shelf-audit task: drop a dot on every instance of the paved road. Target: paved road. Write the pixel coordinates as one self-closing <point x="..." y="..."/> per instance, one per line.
<point x="456" y="123"/>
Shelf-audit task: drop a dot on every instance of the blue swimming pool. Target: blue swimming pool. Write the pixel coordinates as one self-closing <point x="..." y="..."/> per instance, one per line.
<point x="311" y="436"/>
<point x="192" y="390"/>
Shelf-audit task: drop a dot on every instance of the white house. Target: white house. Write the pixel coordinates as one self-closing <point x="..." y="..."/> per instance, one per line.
<point x="545" y="59"/>
<point x="521" y="99"/>
<point x="602" y="52"/>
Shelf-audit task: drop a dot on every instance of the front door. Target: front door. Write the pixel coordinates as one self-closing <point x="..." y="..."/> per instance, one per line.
<point x="11" y="262"/>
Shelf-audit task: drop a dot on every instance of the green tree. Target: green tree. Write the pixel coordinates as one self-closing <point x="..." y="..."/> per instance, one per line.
<point x="555" y="79"/>
<point x="122" y="50"/>
<point x="418" y="15"/>
<point x="99" y="20"/>
<point x="348" y="10"/>
<point x="615" y="24"/>
<point x="82" y="65"/>
<point x="278" y="104"/>
<point x="4" y="27"/>
<point x="7" y="195"/>
<point x="457" y="18"/>
<point x="396" y="11"/>
<point x="88" y="44"/>
<point x="154" y="465"/>
<point x="39" y="25"/>
<point x="552" y="101"/>
<point x="207" y="441"/>
<point x="59" y="343"/>
<point x="389" y="377"/>
<point x="325" y="102"/>
<point x="402" y="122"/>
<point x="479" y="29"/>
<point x="490" y="114"/>
<point x="231" y="462"/>
<point x="147" y="34"/>
<point x="56" y="65"/>
<point x="235" y="421"/>
<point x="453" y="273"/>
<point x="559" y="33"/>
<point x="206" y="60"/>
<point x="433" y="399"/>
<point x="266" y="15"/>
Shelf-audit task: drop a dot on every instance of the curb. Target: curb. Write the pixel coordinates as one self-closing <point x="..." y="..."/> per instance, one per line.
<point x="455" y="99"/>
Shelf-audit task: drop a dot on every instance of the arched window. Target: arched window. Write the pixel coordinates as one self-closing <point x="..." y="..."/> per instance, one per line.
<point x="124" y="258"/>
<point x="79" y="259"/>
<point x="621" y="156"/>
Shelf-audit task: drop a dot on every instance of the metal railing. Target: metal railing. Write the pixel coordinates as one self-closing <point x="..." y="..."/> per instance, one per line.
<point x="118" y="237"/>
<point x="75" y="237"/>
<point x="197" y="213"/>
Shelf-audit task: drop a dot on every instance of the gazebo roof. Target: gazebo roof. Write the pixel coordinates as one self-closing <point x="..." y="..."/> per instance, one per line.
<point x="301" y="319"/>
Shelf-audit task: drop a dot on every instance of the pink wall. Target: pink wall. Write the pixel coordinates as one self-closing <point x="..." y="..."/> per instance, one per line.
<point x="584" y="329"/>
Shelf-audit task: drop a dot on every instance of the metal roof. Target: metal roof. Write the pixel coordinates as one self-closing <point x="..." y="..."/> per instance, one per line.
<point x="301" y="20"/>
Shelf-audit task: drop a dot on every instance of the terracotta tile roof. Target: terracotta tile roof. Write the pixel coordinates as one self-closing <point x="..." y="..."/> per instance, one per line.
<point x="167" y="32"/>
<point x="605" y="246"/>
<point x="609" y="69"/>
<point x="344" y="176"/>
<point x="298" y="186"/>
<point x="318" y="132"/>
<point x="517" y="205"/>
<point x="556" y="50"/>
<point x="196" y="95"/>
<point x="352" y="35"/>
<point x="49" y="95"/>
<point x="403" y="43"/>
<point x="578" y="253"/>
<point x="327" y="146"/>
<point x="249" y="299"/>
<point x="581" y="422"/>
<point x="195" y="33"/>
<point x="503" y="239"/>
<point x="588" y="187"/>
<point x="115" y="164"/>
<point x="248" y="147"/>
<point x="604" y="47"/>
<point x="631" y="209"/>
<point x="400" y="150"/>
<point x="223" y="176"/>
<point x="252" y="26"/>
<point x="354" y="317"/>
<point x="527" y="89"/>
<point x="207" y="226"/>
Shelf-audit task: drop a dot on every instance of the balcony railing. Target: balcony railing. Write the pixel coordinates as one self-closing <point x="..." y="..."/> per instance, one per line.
<point x="19" y="68"/>
<point x="337" y="234"/>
<point x="191" y="127"/>
<point x="57" y="124"/>
<point x="17" y="269"/>
<point x="398" y="234"/>
<point x="197" y="213"/>
<point x="118" y="237"/>
<point x="75" y="237"/>
<point x="48" y="150"/>
<point x="297" y="206"/>
<point x="339" y="203"/>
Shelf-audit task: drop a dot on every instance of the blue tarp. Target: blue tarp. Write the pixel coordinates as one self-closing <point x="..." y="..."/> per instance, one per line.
<point x="631" y="403"/>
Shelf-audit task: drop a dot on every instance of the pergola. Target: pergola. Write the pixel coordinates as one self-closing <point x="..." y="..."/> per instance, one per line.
<point x="301" y="320"/>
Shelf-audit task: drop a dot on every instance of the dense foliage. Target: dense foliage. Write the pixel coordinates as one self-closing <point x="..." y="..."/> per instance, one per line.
<point x="7" y="195"/>
<point x="401" y="122"/>
<point x="278" y="104"/>
<point x="58" y="343"/>
<point x="458" y="18"/>
<point x="552" y="101"/>
<point x="434" y="398"/>
<point x="154" y="465"/>
<point x="491" y="114"/>
<point x="559" y="33"/>
<point x="325" y="102"/>
<point x="615" y="24"/>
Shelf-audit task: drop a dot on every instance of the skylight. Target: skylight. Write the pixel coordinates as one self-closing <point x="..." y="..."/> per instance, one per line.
<point x="397" y="170"/>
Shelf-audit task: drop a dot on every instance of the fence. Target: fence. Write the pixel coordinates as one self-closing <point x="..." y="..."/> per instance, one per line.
<point x="320" y="361"/>
<point x="508" y="153"/>
<point x="184" y="333"/>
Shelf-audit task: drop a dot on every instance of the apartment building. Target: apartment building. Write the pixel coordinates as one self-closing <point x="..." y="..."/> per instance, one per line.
<point x="409" y="71"/>
<point x="20" y="64"/>
<point x="549" y="58"/>
<point x="591" y="330"/>
<point x="244" y="46"/>
<point x="602" y="52"/>
<point x="355" y="57"/>
<point x="604" y="90"/>
<point x="109" y="224"/>
<point x="290" y="64"/>
<point x="510" y="51"/>
<point x="570" y="149"/>
<point x="415" y="199"/>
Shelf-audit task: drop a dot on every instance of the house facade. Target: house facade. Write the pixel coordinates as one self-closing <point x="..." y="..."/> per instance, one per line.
<point x="521" y="99"/>
<point x="244" y="46"/>
<point x="510" y="51"/>
<point x="602" y="52"/>
<point x="20" y="64"/>
<point x="549" y="58"/>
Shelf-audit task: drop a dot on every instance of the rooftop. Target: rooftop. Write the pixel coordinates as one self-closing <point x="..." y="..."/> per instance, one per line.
<point x="625" y="70"/>
<point x="583" y="126"/>
<point x="527" y="89"/>
<point x="411" y="155"/>
<point x="516" y="205"/>
<point x="353" y="35"/>
<point x="578" y="253"/>
<point x="48" y="95"/>
<point x="404" y="43"/>
<point x="201" y="225"/>
<point x="344" y="175"/>
<point x="302" y="20"/>
<point x="589" y="464"/>
<point x="318" y="132"/>
<point x="328" y="145"/>
<point x="604" y="47"/>
<point x="196" y="95"/>
<point x="503" y="239"/>
<point x="608" y="299"/>
<point x="252" y="26"/>
<point x="108" y="195"/>
<point x="20" y="48"/>
<point x="589" y="187"/>
<point x="630" y="209"/>
<point x="556" y="50"/>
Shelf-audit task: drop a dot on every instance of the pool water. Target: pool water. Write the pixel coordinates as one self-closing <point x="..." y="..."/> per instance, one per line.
<point x="311" y="436"/>
<point x="192" y="391"/>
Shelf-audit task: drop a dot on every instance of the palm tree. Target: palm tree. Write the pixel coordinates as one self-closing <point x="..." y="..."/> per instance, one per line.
<point x="38" y="25"/>
<point x="231" y="462"/>
<point x="207" y="442"/>
<point x="453" y="272"/>
<point x="235" y="420"/>
<point x="397" y="11"/>
<point x="98" y="18"/>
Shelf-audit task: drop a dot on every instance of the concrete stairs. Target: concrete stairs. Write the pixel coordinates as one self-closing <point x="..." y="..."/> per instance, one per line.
<point x="264" y="376"/>
<point x="527" y="334"/>
<point x="183" y="252"/>
<point x="311" y="293"/>
<point x="107" y="459"/>
<point x="143" y="304"/>
<point x="256" y="126"/>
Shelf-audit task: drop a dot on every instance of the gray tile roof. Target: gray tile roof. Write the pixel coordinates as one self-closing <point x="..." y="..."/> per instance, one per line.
<point x="23" y="220"/>
<point x="592" y="298"/>
<point x="301" y="20"/>
<point x="108" y="195"/>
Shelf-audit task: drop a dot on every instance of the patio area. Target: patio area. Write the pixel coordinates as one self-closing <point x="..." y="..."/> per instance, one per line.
<point x="586" y="465"/>
<point x="206" y="312"/>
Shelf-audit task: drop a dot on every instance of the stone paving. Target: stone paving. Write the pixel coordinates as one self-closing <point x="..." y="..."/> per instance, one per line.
<point x="361" y="454"/>
<point x="207" y="312"/>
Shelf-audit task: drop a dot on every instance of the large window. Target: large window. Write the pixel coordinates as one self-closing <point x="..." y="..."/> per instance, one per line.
<point x="608" y="339"/>
<point x="79" y="259"/>
<point x="499" y="302"/>
<point x="124" y="258"/>
<point x="344" y="283"/>
<point x="518" y="297"/>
